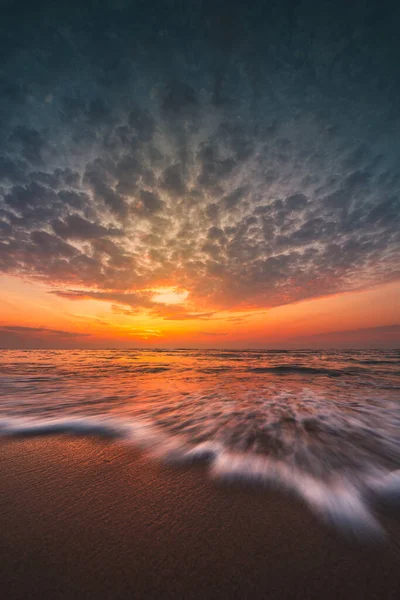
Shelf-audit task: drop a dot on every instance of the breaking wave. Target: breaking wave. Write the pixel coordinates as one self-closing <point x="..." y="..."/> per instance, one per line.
<point x="321" y="433"/>
<point x="341" y="497"/>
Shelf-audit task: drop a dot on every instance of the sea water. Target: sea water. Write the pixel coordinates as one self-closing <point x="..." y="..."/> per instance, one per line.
<point x="324" y="425"/>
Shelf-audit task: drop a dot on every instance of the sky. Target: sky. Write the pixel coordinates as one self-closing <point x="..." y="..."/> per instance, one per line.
<point x="199" y="174"/>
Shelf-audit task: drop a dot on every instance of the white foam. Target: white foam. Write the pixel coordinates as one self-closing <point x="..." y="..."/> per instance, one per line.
<point x="385" y="488"/>
<point x="339" y="501"/>
<point x="341" y="504"/>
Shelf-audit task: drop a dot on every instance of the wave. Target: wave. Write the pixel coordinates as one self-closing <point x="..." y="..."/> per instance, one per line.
<point x="377" y="362"/>
<point x="283" y="369"/>
<point x="279" y="370"/>
<point x="215" y="369"/>
<point x="344" y="499"/>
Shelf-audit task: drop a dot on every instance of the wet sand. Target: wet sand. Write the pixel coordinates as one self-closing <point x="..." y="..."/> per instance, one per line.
<point x="92" y="519"/>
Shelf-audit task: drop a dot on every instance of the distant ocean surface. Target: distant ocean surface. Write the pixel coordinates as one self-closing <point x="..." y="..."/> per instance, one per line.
<point x="324" y="425"/>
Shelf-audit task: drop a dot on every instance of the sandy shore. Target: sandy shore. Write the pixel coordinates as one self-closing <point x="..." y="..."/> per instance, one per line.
<point x="91" y="519"/>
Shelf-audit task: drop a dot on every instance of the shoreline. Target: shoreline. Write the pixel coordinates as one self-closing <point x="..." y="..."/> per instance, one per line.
<point x="91" y="518"/>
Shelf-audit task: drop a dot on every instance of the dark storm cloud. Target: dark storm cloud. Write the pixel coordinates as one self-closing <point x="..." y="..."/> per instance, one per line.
<point x="248" y="154"/>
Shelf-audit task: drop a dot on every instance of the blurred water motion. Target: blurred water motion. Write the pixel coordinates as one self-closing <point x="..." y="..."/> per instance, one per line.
<point x="325" y="425"/>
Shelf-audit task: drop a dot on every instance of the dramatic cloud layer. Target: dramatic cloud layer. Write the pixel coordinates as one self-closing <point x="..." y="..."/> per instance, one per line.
<point x="248" y="155"/>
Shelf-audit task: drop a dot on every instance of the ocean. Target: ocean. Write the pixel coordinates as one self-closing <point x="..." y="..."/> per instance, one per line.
<point x="322" y="425"/>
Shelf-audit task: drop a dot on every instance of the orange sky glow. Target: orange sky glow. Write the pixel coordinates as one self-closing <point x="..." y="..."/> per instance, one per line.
<point x="33" y="316"/>
<point x="214" y="181"/>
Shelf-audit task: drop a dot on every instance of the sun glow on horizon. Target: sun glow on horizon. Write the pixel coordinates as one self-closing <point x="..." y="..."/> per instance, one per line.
<point x="63" y="321"/>
<point x="169" y="295"/>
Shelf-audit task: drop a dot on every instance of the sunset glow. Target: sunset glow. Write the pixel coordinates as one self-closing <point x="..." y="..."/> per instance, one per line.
<point x="200" y="299"/>
<point x="363" y="319"/>
<point x="209" y="200"/>
<point x="169" y="296"/>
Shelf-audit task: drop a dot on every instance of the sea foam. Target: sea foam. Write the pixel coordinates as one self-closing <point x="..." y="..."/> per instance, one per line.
<point x="324" y="426"/>
<point x="338" y="501"/>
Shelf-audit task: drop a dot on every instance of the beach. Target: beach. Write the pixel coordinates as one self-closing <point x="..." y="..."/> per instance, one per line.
<point x="199" y="300"/>
<point x="83" y="518"/>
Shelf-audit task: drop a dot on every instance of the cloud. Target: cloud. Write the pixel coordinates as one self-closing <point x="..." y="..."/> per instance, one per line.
<point x="178" y="97"/>
<point x="151" y="202"/>
<point x="19" y="336"/>
<point x="246" y="156"/>
<point x="212" y="333"/>
<point x="40" y="330"/>
<point x="29" y="142"/>
<point x="127" y="299"/>
<point x="137" y="301"/>
<point x="370" y="337"/>
<point x="172" y="180"/>
<point x="76" y="227"/>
